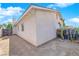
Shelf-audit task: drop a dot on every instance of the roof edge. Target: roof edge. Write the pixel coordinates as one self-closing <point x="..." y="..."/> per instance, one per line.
<point x="30" y="7"/>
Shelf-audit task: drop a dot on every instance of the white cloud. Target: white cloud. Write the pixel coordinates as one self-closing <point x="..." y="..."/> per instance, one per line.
<point x="14" y="8"/>
<point x="51" y="6"/>
<point x="63" y="4"/>
<point x="8" y="13"/>
<point x="73" y="22"/>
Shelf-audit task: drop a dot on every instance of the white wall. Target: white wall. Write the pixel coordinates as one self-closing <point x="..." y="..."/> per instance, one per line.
<point x="46" y="26"/>
<point x="39" y="27"/>
<point x="29" y="33"/>
<point x="14" y="30"/>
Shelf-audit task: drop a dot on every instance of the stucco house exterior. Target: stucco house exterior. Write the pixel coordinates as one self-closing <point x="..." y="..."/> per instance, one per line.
<point x="37" y="25"/>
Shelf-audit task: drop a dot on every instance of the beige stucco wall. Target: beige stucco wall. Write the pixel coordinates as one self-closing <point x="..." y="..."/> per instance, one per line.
<point x="39" y="27"/>
<point x="29" y="33"/>
<point x="46" y="26"/>
<point x="14" y="30"/>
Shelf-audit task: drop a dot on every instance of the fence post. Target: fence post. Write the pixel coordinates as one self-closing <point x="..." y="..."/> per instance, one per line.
<point x="0" y="32"/>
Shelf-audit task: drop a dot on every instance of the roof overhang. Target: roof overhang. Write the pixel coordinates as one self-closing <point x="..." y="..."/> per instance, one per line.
<point x="35" y="7"/>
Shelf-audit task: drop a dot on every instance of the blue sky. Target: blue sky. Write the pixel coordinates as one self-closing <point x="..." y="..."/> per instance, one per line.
<point x="69" y="11"/>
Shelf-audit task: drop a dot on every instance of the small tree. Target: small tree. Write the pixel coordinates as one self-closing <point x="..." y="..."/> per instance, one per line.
<point x="0" y="26"/>
<point x="4" y="26"/>
<point x="62" y="26"/>
<point x="63" y="22"/>
<point x="9" y="26"/>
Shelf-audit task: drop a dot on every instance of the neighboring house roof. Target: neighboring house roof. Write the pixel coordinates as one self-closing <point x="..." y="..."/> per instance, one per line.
<point x="36" y="7"/>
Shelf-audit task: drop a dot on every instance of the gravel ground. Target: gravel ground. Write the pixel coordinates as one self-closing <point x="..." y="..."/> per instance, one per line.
<point x="56" y="47"/>
<point x="4" y="46"/>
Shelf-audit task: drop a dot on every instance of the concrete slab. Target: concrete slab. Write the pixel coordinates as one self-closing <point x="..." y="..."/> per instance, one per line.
<point x="57" y="47"/>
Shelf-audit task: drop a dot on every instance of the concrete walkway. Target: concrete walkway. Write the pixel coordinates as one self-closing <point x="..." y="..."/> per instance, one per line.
<point x="57" y="47"/>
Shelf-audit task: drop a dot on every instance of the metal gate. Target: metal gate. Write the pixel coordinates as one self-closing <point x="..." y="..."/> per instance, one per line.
<point x="6" y="32"/>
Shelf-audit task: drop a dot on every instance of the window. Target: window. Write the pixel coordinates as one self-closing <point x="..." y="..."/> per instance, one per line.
<point x="22" y="27"/>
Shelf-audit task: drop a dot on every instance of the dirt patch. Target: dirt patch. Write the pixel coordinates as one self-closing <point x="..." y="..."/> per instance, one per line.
<point x="4" y="46"/>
